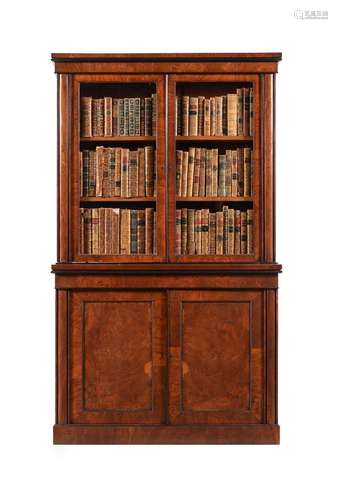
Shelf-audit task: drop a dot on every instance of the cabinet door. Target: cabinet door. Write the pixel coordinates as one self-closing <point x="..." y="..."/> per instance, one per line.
<point x="216" y="361"/>
<point x="117" y="357"/>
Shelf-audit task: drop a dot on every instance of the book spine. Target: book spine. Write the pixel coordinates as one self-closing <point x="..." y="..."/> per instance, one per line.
<point x="225" y="229"/>
<point x="212" y="233"/>
<point x="212" y="116"/>
<point x="147" y="116"/>
<point x="106" y="189"/>
<point x="206" y="125"/>
<point x="208" y="173"/>
<point x="86" y="117"/>
<point x="111" y="172"/>
<point x="197" y="169"/>
<point x="149" y="170"/>
<point x="108" y="116"/>
<point x="108" y="231"/>
<point x="99" y="170"/>
<point x="205" y="230"/>
<point x="228" y="172"/>
<point x="240" y="172"/>
<point x="98" y="117"/>
<point x="131" y="123"/>
<point x="193" y="116"/>
<point x="251" y="103"/>
<point x="124" y="172"/>
<point x="190" y="231"/>
<point x="244" y="248"/>
<point x="149" y="230"/>
<point x="200" y="119"/>
<point x="214" y="180"/>
<point x="140" y="232"/>
<point x="221" y="180"/>
<point x="184" y="231"/>
<point x="137" y="115"/>
<point x="249" y="225"/>
<point x="219" y="233"/>
<point x="185" y="173"/>
<point x="95" y="231"/>
<point x="198" y="224"/>
<point x="191" y="164"/>
<point x="178" y="226"/>
<point x="115" y="130"/>
<point x="92" y="173"/>
<point x="185" y="115"/>
<point x="133" y="174"/>
<point x="201" y="190"/>
<point x="133" y="231"/>
<point x="87" y="247"/>
<point x="117" y="171"/>
<point x="224" y="115"/>
<point x="85" y="173"/>
<point x="247" y="172"/>
<point x="179" y="171"/>
<point x="178" y="115"/>
<point x="155" y="234"/>
<point x="153" y="114"/>
<point x="141" y="172"/>
<point x="246" y="111"/>
<point x="120" y="119"/>
<point x="125" y="231"/>
<point x="82" y="238"/>
<point x="234" y="177"/>
<point x="231" y="233"/>
<point x="237" y="232"/>
<point x="239" y="111"/>
<point x="115" y="245"/>
<point x="102" y="231"/>
<point x="219" y="115"/>
<point x="126" y="116"/>
<point x="142" y="117"/>
<point x="232" y="114"/>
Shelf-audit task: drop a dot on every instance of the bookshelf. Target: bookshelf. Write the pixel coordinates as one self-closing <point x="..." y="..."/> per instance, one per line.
<point x="166" y="277"/>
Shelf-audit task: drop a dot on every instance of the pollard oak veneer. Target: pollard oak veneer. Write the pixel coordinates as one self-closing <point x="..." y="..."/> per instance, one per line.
<point x="173" y="345"/>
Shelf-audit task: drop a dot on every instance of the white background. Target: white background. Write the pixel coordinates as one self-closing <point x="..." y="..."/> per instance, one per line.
<point x="303" y="466"/>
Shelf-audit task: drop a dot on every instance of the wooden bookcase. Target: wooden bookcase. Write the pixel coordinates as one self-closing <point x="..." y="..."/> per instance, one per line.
<point x="167" y="346"/>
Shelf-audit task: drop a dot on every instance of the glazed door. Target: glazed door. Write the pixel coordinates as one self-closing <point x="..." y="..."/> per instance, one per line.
<point x="117" y="357"/>
<point x="216" y="367"/>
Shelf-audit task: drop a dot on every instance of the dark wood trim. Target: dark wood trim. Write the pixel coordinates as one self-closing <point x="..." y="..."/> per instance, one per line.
<point x="234" y="268"/>
<point x="182" y="57"/>
<point x="271" y="357"/>
<point x="158" y="67"/>
<point x="63" y="167"/>
<point x="166" y="434"/>
<point x="62" y="356"/>
<point x="268" y="185"/>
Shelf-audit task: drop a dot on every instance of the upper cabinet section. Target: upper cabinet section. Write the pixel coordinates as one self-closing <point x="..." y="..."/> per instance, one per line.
<point x="166" y="158"/>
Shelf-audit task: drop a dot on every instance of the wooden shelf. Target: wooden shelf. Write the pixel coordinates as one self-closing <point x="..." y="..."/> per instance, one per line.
<point x="120" y="138"/>
<point x="213" y="138"/>
<point x="208" y="199"/>
<point x="117" y="199"/>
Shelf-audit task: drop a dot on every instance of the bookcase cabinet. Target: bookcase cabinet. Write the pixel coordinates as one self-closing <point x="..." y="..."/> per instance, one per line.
<point x="166" y="277"/>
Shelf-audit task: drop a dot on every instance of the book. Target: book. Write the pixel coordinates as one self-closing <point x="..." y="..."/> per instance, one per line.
<point x="197" y="167"/>
<point x="239" y="93"/>
<point x="231" y="231"/>
<point x="115" y="244"/>
<point x="99" y="170"/>
<point x="137" y="115"/>
<point x="178" y="231"/>
<point x="102" y="231"/>
<point x="205" y="231"/>
<point x="153" y="114"/>
<point x="249" y="225"/>
<point x="133" y="231"/>
<point x="219" y="115"/>
<point x="193" y="116"/>
<point x="214" y="173"/>
<point x="149" y="170"/>
<point x="232" y="114"/>
<point x="124" y="172"/>
<point x="86" y="117"/>
<point x="237" y="232"/>
<point x="148" y="116"/>
<point x="190" y="179"/>
<point x="108" y="116"/>
<point x="200" y="115"/>
<point x="125" y="232"/>
<point x="141" y="232"/>
<point x="206" y="127"/>
<point x="141" y="172"/>
<point x="133" y="174"/>
<point x="185" y="173"/>
<point x="221" y="180"/>
<point x="149" y="222"/>
<point x="190" y="231"/>
<point x="244" y="247"/>
<point x="212" y="233"/>
<point x="184" y="231"/>
<point x="95" y="231"/>
<point x="247" y="172"/>
<point x="178" y="115"/>
<point x="131" y="119"/>
<point x="185" y="115"/>
<point x="201" y="189"/>
<point x="179" y="171"/>
<point x="97" y="117"/>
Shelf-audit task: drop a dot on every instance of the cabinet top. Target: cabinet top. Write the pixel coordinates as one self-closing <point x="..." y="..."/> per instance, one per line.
<point x="181" y="57"/>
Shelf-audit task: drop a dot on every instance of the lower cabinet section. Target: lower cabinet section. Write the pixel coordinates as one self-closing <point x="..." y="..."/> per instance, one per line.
<point x="166" y="366"/>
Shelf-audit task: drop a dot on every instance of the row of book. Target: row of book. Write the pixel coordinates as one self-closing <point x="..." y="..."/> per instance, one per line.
<point x="202" y="232"/>
<point x="206" y="172"/>
<point x="115" y="231"/>
<point x="230" y="114"/>
<point x="120" y="172"/>
<point x="108" y="116"/>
